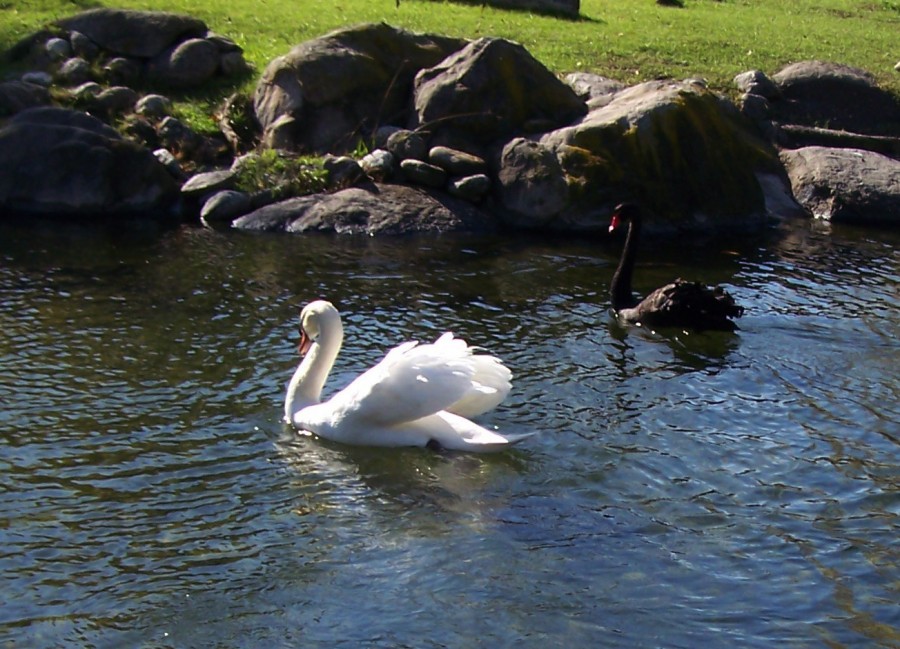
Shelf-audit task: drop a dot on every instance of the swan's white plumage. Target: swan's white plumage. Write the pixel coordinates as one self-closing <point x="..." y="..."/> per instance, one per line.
<point x="417" y="394"/>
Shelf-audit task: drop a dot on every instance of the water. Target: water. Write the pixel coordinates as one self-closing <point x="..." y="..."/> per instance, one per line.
<point x="683" y="491"/>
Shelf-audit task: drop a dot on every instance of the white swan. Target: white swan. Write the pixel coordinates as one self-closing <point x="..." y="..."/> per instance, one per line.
<point x="418" y="395"/>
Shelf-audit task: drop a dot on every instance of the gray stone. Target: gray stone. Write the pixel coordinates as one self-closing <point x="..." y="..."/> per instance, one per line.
<point x="58" y="49"/>
<point x="225" y="206"/>
<point x="87" y="91"/>
<point x="208" y="182"/>
<point x="38" y="78"/>
<point x="378" y="164"/>
<point x="342" y="85"/>
<point x="680" y="149"/>
<point x="375" y="209"/>
<point x="592" y="87"/>
<point x="144" y="34"/>
<point x="845" y="185"/>
<point x="69" y="164"/>
<point x="754" y="82"/>
<point x="755" y="107"/>
<point x="83" y="46"/>
<point x="117" y="100"/>
<point x="233" y="64"/>
<point x="74" y="71"/>
<point x="190" y="63"/>
<point x="343" y="171"/>
<point x="471" y="188"/>
<point x="16" y="96"/>
<point x="490" y="89"/>
<point x="122" y="70"/>
<point x="532" y="187"/>
<point x="422" y="173"/>
<point x="455" y="162"/>
<point x="835" y="96"/>
<point x="381" y="135"/>
<point x="155" y="106"/>
<point x="170" y="162"/>
<point x="404" y="144"/>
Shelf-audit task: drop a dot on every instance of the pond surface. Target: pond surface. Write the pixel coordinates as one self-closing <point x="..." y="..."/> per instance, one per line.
<point x="682" y="491"/>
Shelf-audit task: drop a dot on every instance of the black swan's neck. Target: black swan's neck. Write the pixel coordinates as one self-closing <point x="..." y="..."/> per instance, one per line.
<point x="620" y="291"/>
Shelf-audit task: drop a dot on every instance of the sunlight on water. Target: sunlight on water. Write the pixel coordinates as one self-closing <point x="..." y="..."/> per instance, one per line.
<point x="683" y="490"/>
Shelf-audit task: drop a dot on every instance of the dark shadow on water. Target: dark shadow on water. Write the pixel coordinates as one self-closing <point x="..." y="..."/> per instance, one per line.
<point x="706" y="351"/>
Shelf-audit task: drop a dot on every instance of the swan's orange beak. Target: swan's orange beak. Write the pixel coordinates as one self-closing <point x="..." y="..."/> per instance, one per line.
<point x="615" y="222"/>
<point x="305" y="343"/>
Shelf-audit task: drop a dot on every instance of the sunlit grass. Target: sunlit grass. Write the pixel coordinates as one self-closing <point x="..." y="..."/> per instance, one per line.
<point x="630" y="40"/>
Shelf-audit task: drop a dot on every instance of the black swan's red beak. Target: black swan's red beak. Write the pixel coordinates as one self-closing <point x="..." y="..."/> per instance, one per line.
<point x="615" y="222"/>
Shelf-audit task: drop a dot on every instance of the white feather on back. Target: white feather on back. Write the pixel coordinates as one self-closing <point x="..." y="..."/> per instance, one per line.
<point x="413" y="381"/>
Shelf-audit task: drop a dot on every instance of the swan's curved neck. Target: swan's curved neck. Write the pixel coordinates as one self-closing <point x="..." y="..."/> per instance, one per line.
<point x="620" y="292"/>
<point x="305" y="387"/>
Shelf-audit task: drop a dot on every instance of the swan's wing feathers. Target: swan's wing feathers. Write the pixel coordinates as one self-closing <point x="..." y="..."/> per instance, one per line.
<point x="412" y="381"/>
<point x="491" y="382"/>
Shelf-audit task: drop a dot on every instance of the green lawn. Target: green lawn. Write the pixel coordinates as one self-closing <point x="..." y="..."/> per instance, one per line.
<point x="630" y="40"/>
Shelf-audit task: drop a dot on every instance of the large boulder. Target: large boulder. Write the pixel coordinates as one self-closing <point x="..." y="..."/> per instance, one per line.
<point x="16" y="96"/>
<point x="682" y="150"/>
<point x="491" y="89"/>
<point x="373" y="209"/>
<point x="62" y="162"/>
<point x="328" y="92"/>
<point x="817" y="93"/>
<point x="845" y="185"/>
<point x="143" y="34"/>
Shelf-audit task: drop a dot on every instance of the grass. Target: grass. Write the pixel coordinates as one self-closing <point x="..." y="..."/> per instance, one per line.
<point x="629" y="40"/>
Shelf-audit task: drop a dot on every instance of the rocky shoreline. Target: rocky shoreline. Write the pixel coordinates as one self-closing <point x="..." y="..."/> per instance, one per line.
<point x="405" y="132"/>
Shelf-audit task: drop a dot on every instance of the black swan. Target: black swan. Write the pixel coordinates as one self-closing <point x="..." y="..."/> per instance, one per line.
<point x="679" y="304"/>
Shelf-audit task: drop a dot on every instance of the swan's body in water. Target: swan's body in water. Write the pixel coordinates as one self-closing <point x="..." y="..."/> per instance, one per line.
<point x="418" y="395"/>
<point x="678" y="304"/>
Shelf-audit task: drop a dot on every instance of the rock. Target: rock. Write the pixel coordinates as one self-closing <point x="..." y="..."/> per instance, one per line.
<point x="208" y="183"/>
<point x="170" y="162"/>
<point x="471" y="188"/>
<point x="343" y="171"/>
<point x="116" y="100"/>
<point x="376" y="209"/>
<point x="65" y="163"/>
<point x="845" y="185"/>
<point x="532" y="187"/>
<point x="122" y="70"/>
<point x="58" y="49"/>
<point x="594" y="89"/>
<point x="754" y="82"/>
<point x="755" y="107"/>
<point x="38" y="78"/>
<point x="233" y="64"/>
<point x="422" y="173"/>
<point x="143" y="34"/>
<point x="341" y="86"/>
<point x="835" y="96"/>
<point x="490" y="90"/>
<point x="190" y="63"/>
<point x="455" y="162"/>
<point x="225" y="206"/>
<point x="87" y="91"/>
<point x="684" y="151"/>
<point x="381" y="134"/>
<point x="16" y="96"/>
<point x="404" y="144"/>
<point x="378" y="165"/>
<point x="83" y="46"/>
<point x="155" y="106"/>
<point x="74" y="71"/>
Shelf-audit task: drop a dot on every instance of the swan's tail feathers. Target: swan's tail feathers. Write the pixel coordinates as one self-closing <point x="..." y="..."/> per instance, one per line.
<point x="457" y="433"/>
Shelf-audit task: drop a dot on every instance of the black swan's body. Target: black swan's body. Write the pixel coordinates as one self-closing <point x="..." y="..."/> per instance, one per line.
<point x="679" y="304"/>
